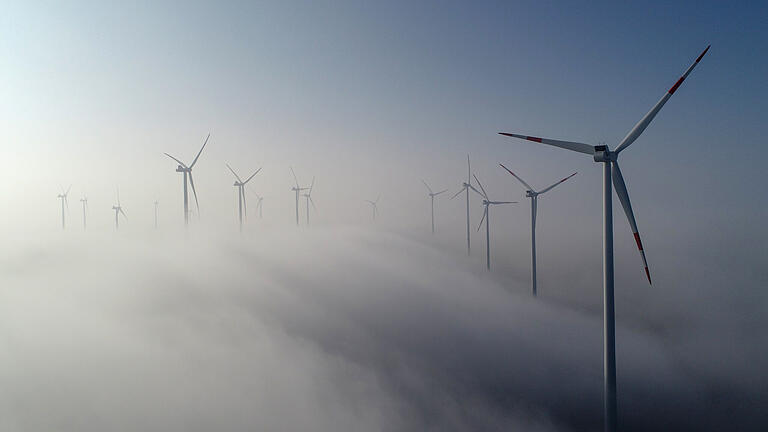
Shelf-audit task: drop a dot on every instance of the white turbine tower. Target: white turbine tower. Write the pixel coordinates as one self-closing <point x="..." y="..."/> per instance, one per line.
<point x="297" y="189"/>
<point x="487" y="218"/>
<point x="611" y="172"/>
<point x="118" y="211"/>
<point x="465" y="187"/>
<point x="84" y="200"/>
<point x="187" y="171"/>
<point x="64" y="203"/>
<point x="432" y="196"/>
<point x="534" y="196"/>
<point x="309" y="199"/>
<point x="156" y="203"/>
<point x="374" y="206"/>
<point x="240" y="185"/>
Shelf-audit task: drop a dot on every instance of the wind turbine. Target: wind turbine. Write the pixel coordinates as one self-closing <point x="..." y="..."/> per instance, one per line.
<point x="118" y="211"/>
<point x="611" y="172"/>
<point x="374" y="206"/>
<point x="297" y="189"/>
<point x="432" y="196"/>
<point x="240" y="185"/>
<point x="308" y="196"/>
<point x="84" y="200"/>
<point x="487" y="203"/>
<point x="187" y="171"/>
<point x="64" y="202"/>
<point x="534" y="196"/>
<point x="465" y="187"/>
<point x="259" y="203"/>
<point x="156" y="214"/>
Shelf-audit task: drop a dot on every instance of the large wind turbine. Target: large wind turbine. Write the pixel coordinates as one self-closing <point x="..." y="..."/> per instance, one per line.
<point x="309" y="199"/>
<point x="297" y="189"/>
<point x="465" y="187"/>
<point x="487" y="218"/>
<point x="432" y="196"/>
<point x="64" y="203"/>
<point x="118" y="211"/>
<point x="84" y="200"/>
<point x="611" y="172"/>
<point x="534" y="196"/>
<point x="240" y="185"/>
<point x="374" y="206"/>
<point x="187" y="171"/>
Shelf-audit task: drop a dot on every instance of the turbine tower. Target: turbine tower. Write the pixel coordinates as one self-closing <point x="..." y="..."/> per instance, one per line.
<point x="297" y="189"/>
<point x="487" y="203"/>
<point x="187" y="171"/>
<point x="64" y="203"/>
<point x="308" y="196"/>
<point x="240" y="185"/>
<point x="611" y="172"/>
<point x="156" y="214"/>
<point x="374" y="206"/>
<point x="534" y="196"/>
<point x="118" y="211"/>
<point x="465" y="187"/>
<point x="432" y="196"/>
<point x="84" y="200"/>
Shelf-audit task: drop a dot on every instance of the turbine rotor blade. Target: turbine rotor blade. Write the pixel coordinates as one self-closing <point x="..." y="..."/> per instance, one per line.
<point x="646" y="120"/>
<point x="478" y="192"/>
<point x="122" y="212"/>
<point x="621" y="192"/>
<point x="313" y="203"/>
<point x="438" y="193"/>
<point x="198" y="153"/>
<point x="233" y="172"/>
<point x="312" y="185"/>
<point x="518" y="178"/>
<point x="428" y="188"/>
<point x="194" y="192"/>
<point x="294" y="177"/>
<point x="568" y="145"/>
<point x="561" y="181"/>
<point x="179" y="162"/>
<point x="485" y="194"/>
<point x="460" y="191"/>
<point x="252" y="175"/>
<point x="485" y="213"/>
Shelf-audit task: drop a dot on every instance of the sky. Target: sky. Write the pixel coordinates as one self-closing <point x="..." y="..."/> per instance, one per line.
<point x="370" y="98"/>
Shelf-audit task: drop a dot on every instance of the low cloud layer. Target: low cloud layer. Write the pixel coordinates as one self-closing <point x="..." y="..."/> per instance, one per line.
<point x="342" y="329"/>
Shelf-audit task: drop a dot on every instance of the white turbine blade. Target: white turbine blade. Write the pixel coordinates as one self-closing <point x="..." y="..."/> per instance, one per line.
<point x="646" y="120"/>
<point x="123" y="213"/>
<point x="68" y="189"/>
<point x="561" y="181"/>
<point x="469" y="170"/>
<point x="621" y="192"/>
<point x="518" y="178"/>
<point x="311" y="185"/>
<point x="485" y="194"/>
<point x="485" y="213"/>
<point x="252" y="175"/>
<point x="478" y="192"/>
<point x="179" y="162"/>
<point x="460" y="191"/>
<point x="568" y="145"/>
<point x="294" y="178"/>
<point x="201" y="150"/>
<point x="194" y="192"/>
<point x="313" y="203"/>
<point x="438" y="193"/>
<point x="428" y="188"/>
<point x="233" y="172"/>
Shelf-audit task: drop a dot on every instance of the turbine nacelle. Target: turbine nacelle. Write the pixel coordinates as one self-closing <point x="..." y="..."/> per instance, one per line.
<point x="531" y="194"/>
<point x="181" y="169"/>
<point x="604" y="154"/>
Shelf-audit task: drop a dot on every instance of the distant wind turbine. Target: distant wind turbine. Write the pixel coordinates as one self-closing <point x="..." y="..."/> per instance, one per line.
<point x="187" y="171"/>
<point x="432" y="196"/>
<point x="259" y="204"/>
<point x="118" y="211"/>
<point x="308" y="196"/>
<point x="465" y="187"/>
<point x="240" y="185"/>
<point x="297" y="189"/>
<point x="374" y="206"/>
<point x="612" y="173"/>
<point x="84" y="200"/>
<point x="534" y="196"/>
<point x="64" y="203"/>
<point x="487" y="218"/>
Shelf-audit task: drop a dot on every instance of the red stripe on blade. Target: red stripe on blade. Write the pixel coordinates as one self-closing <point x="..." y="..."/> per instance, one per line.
<point x="648" y="275"/>
<point x="637" y="240"/>
<point x="702" y="54"/>
<point x="677" y="84"/>
<point x="530" y="138"/>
